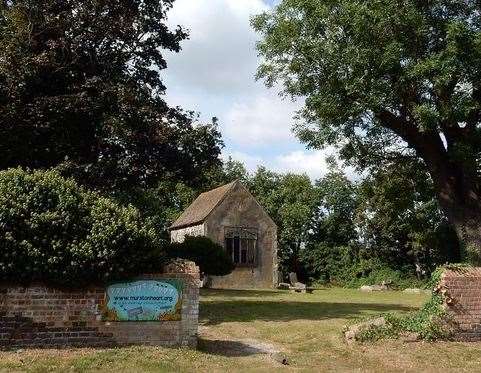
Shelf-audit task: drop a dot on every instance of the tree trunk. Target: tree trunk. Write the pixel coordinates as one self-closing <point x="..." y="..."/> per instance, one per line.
<point x="468" y="228"/>
<point x="460" y="200"/>
<point x="457" y="185"/>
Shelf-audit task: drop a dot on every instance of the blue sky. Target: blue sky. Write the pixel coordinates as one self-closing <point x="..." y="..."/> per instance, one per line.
<point x="214" y="75"/>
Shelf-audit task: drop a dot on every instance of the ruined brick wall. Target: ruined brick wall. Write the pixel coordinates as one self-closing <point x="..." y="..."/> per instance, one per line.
<point x="39" y="316"/>
<point x="461" y="290"/>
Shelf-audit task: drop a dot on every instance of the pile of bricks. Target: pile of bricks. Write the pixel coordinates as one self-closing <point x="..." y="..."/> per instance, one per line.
<point x="39" y="316"/>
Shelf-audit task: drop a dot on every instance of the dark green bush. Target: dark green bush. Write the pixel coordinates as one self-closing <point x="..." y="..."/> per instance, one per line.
<point x="209" y="256"/>
<point x="342" y="266"/>
<point x="54" y="231"/>
<point x="373" y="271"/>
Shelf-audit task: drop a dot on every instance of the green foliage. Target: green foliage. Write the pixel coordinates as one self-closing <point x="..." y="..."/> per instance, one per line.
<point x="159" y="205"/>
<point x="333" y="222"/>
<point x="81" y="86"/>
<point x="429" y="323"/>
<point x="328" y="264"/>
<point x="437" y="273"/>
<point x="345" y="266"/>
<point x="291" y="201"/>
<point x="373" y="58"/>
<point x="234" y="170"/>
<point x="400" y="221"/>
<point x="329" y="251"/>
<point x="211" y="258"/>
<point x="386" y="227"/>
<point x="370" y="272"/>
<point x="54" y="231"/>
<point x="387" y="81"/>
<point x="379" y="229"/>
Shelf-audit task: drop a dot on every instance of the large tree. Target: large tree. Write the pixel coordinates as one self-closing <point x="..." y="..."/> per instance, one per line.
<point x="329" y="247"/>
<point x="291" y="201"/>
<point x="383" y="76"/>
<point x="81" y="86"/>
<point x="399" y="221"/>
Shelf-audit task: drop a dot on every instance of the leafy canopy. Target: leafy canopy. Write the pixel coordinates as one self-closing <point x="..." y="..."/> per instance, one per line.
<point x="375" y="72"/>
<point x="81" y="86"/>
<point x="399" y="219"/>
<point x="290" y="200"/>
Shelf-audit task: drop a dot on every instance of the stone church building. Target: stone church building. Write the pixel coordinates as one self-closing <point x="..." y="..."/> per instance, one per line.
<point x="231" y="217"/>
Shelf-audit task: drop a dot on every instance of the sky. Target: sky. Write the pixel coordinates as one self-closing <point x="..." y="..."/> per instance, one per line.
<point x="214" y="75"/>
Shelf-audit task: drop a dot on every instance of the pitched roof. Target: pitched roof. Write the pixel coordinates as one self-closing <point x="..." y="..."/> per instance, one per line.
<point x="202" y="207"/>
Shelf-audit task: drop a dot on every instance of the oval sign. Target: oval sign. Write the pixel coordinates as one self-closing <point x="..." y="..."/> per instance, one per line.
<point x="147" y="300"/>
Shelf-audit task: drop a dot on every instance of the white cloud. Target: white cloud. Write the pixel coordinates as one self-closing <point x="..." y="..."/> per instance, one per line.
<point x="266" y="120"/>
<point x="220" y="56"/>
<point x="214" y="74"/>
<point x="251" y="162"/>
<point x="312" y="163"/>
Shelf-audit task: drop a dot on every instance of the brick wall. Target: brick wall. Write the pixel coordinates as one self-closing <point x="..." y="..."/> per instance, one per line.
<point x="461" y="290"/>
<point x="39" y="316"/>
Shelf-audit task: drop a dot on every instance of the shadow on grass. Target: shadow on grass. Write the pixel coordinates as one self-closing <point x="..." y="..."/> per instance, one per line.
<point x="215" y="312"/>
<point x="228" y="348"/>
<point x="240" y="293"/>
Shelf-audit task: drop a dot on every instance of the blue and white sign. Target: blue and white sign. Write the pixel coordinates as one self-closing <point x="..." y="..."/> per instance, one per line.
<point x="147" y="300"/>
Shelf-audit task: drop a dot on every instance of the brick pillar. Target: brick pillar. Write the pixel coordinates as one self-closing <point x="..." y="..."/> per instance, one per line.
<point x="461" y="291"/>
<point x="189" y="272"/>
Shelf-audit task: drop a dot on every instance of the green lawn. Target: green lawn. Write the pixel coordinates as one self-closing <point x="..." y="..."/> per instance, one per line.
<point x="248" y="330"/>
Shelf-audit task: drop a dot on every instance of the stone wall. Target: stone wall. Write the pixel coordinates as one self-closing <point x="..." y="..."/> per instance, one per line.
<point x="178" y="235"/>
<point x="461" y="290"/>
<point x="240" y="209"/>
<point x="39" y="316"/>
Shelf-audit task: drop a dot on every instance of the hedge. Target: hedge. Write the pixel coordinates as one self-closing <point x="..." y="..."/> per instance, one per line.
<point x="211" y="258"/>
<point x="54" y="231"/>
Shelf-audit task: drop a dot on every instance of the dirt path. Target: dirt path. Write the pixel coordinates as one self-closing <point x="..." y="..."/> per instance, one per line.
<point x="214" y="343"/>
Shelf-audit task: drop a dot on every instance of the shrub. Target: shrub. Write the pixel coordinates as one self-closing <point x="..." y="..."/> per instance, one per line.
<point x="373" y="271"/>
<point x="429" y="323"/>
<point x="54" y="231"/>
<point x="209" y="256"/>
<point x="342" y="266"/>
<point x="327" y="264"/>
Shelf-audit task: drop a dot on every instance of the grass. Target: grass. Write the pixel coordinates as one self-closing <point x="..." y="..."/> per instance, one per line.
<point x="237" y="327"/>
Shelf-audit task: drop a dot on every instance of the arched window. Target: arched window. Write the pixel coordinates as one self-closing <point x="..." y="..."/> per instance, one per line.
<point x="241" y="245"/>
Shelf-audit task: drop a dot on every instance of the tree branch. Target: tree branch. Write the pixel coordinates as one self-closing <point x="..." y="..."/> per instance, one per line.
<point x="400" y="127"/>
<point x="428" y="145"/>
